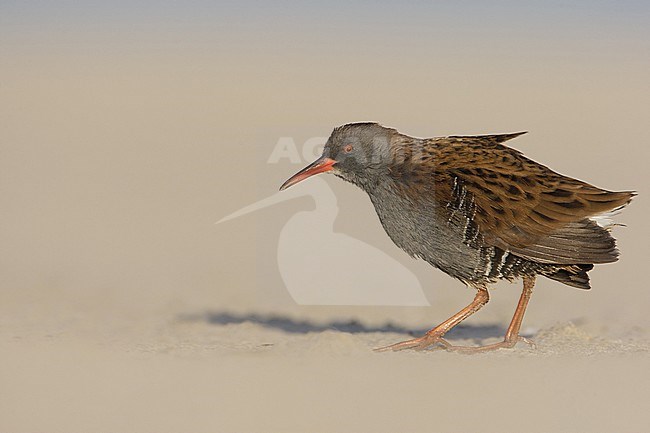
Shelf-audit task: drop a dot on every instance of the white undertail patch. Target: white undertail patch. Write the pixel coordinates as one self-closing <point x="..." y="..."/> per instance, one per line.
<point x="606" y="219"/>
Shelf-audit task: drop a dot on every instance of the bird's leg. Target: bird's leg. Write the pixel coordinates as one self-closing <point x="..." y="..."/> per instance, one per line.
<point x="434" y="336"/>
<point x="512" y="336"/>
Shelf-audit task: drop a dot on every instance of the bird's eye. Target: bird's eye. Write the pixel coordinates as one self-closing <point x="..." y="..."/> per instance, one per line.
<point x="348" y="148"/>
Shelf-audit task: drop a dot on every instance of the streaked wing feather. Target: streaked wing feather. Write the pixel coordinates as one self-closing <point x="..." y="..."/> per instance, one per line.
<point x="524" y="207"/>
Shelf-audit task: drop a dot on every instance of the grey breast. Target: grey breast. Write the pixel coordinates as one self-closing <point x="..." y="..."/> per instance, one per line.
<point x="424" y="231"/>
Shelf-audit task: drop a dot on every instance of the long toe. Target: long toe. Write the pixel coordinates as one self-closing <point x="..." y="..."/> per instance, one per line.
<point x="505" y="344"/>
<point x="421" y="343"/>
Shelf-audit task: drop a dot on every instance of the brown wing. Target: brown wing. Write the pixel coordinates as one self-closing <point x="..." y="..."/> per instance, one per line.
<point x="524" y="207"/>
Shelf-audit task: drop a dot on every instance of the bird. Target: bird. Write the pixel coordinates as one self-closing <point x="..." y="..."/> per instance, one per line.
<point x="476" y="209"/>
<point x="391" y="284"/>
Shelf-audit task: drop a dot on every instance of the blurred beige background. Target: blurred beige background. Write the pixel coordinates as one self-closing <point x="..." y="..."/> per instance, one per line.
<point x="127" y="131"/>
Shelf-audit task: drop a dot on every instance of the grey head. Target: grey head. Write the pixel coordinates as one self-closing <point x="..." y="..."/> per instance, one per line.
<point x="357" y="152"/>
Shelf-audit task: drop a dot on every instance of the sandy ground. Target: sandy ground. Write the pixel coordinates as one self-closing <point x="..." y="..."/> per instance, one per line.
<point x="205" y="371"/>
<point x="128" y="128"/>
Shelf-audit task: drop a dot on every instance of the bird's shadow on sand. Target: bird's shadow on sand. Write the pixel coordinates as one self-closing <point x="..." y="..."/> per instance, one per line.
<point x="296" y="326"/>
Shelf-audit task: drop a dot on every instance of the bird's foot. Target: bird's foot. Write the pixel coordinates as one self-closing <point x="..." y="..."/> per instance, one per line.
<point x="507" y="343"/>
<point x="425" y="342"/>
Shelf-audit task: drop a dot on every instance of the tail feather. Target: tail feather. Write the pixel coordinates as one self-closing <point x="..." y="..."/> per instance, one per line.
<point x="571" y="275"/>
<point x="578" y="242"/>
